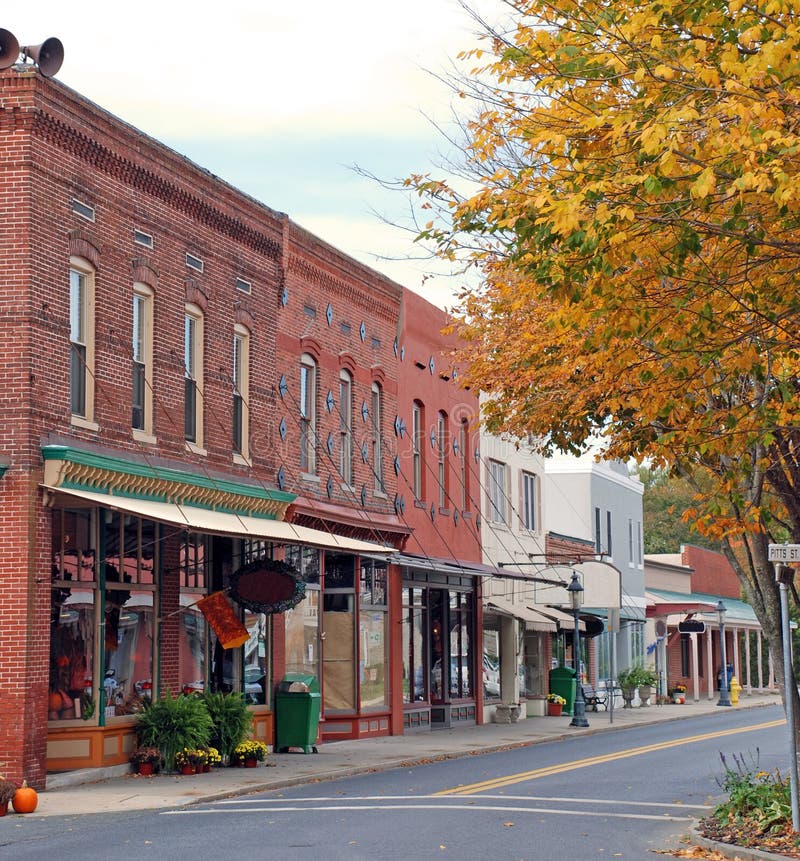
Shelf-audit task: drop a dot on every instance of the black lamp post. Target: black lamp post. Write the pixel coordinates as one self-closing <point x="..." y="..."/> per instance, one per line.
<point x="575" y="590"/>
<point x="724" y="694"/>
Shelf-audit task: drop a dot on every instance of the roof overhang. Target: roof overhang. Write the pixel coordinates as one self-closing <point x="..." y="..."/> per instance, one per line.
<point x="533" y="619"/>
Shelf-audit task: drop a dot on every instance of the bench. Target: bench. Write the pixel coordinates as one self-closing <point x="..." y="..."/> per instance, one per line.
<point x="594" y="698"/>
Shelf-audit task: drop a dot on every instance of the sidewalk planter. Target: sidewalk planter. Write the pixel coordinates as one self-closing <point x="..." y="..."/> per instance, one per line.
<point x="554" y="709"/>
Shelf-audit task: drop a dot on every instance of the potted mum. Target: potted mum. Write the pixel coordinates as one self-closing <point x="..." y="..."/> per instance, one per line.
<point x="213" y="757"/>
<point x="678" y="693"/>
<point x="190" y="760"/>
<point x="146" y="759"/>
<point x="555" y="704"/>
<point x="249" y="753"/>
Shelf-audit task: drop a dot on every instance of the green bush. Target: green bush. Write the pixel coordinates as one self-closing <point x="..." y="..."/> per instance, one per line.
<point x="635" y="676"/>
<point x="231" y="720"/>
<point x="173" y="723"/>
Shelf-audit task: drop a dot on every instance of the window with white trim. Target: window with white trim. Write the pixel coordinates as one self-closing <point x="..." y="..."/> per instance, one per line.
<point x="193" y="374"/>
<point x="416" y="444"/>
<point x="442" y="460"/>
<point x="346" y="426"/>
<point x="81" y="339"/>
<point x="241" y="390"/>
<point x="308" y="414"/>
<point x="142" y="363"/>
<point x="376" y="416"/>
<point x="530" y="501"/>
<point x="497" y="492"/>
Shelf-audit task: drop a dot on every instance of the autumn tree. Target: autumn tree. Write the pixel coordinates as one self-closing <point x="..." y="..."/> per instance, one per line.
<point x="635" y="218"/>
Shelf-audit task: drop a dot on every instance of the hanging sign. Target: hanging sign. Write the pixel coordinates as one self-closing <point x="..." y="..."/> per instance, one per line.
<point x="267" y="586"/>
<point x="218" y="612"/>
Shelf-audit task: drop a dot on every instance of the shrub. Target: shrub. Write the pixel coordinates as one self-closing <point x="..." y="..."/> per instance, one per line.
<point x="760" y="799"/>
<point x="230" y="718"/>
<point x="635" y="676"/>
<point x="174" y="723"/>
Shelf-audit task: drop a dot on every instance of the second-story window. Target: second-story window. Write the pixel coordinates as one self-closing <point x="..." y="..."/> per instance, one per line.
<point x="416" y="443"/>
<point x="346" y="426"/>
<point x="308" y="414"/>
<point x="142" y="365"/>
<point x="81" y="339"/>
<point x="463" y="444"/>
<point x="193" y="374"/>
<point x="376" y="414"/>
<point x="441" y="445"/>
<point x="241" y="390"/>
<point x="497" y="492"/>
<point x="530" y="501"/>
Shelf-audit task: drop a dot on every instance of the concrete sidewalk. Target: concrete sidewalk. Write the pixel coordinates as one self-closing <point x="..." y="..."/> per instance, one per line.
<point x="98" y="791"/>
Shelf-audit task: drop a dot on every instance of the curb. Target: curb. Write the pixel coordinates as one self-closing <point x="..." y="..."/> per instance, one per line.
<point x="735" y="853"/>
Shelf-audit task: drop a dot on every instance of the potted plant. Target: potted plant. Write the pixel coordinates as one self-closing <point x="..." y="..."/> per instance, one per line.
<point x="635" y="677"/>
<point x="146" y="759"/>
<point x="190" y="760"/>
<point x="172" y="724"/>
<point x="231" y="721"/>
<point x="678" y="693"/>
<point x="213" y="757"/>
<point x="7" y="790"/>
<point x="249" y="753"/>
<point x="555" y="704"/>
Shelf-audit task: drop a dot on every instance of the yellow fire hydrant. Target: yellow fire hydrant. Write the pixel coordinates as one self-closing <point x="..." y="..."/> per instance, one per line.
<point x="735" y="688"/>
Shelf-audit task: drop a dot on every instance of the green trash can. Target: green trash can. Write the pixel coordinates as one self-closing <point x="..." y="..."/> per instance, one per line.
<point x="297" y="705"/>
<point x="562" y="682"/>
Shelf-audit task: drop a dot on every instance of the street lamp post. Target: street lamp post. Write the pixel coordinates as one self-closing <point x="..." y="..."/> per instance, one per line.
<point x="724" y="694"/>
<point x="575" y="590"/>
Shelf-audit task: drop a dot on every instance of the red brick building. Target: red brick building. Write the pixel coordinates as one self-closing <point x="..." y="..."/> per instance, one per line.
<point x="194" y="385"/>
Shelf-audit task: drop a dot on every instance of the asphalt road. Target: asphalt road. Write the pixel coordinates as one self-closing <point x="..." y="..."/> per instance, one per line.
<point x="612" y="795"/>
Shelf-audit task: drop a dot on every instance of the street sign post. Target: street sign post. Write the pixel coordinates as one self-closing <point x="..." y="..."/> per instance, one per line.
<point x="785" y="553"/>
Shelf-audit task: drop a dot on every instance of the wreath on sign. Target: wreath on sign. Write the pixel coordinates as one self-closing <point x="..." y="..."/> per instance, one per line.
<point x="267" y="586"/>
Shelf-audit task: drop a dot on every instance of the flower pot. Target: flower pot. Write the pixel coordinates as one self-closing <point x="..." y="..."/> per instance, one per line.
<point x="250" y="762"/>
<point x="206" y="768"/>
<point x="187" y="769"/>
<point x="645" y="691"/>
<point x="146" y="768"/>
<point x="554" y="709"/>
<point x="627" y="695"/>
<point x="3" y="808"/>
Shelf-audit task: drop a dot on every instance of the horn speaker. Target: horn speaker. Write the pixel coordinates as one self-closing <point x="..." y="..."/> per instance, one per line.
<point x="48" y="56"/>
<point x="9" y="49"/>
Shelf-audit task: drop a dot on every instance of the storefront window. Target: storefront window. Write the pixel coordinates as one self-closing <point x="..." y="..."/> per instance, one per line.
<point x="491" y="657"/>
<point x="461" y="655"/>
<point x="301" y="626"/>
<point x="72" y="627"/>
<point x="373" y="642"/>
<point x="414" y="626"/>
<point x="533" y="679"/>
<point x="192" y="664"/>
<point x="338" y="624"/>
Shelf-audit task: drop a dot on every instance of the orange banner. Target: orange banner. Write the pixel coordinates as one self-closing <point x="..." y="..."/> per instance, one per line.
<point x="223" y="620"/>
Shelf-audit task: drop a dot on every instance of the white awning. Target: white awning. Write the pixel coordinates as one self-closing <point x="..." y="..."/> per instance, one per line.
<point x="533" y="621"/>
<point x="565" y="620"/>
<point x="222" y="523"/>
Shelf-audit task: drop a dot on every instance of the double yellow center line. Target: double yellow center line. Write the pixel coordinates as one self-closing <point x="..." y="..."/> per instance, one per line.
<point x="521" y="777"/>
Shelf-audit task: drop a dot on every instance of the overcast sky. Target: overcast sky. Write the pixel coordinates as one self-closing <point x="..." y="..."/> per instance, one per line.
<point x="280" y="100"/>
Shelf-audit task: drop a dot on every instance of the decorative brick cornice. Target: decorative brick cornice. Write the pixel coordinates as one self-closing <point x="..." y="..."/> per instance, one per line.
<point x="135" y="176"/>
<point x="361" y="295"/>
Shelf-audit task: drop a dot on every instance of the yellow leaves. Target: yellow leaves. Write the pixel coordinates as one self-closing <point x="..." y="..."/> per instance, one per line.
<point x="704" y="185"/>
<point x="652" y="137"/>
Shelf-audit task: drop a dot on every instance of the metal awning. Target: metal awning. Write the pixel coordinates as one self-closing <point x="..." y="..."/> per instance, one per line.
<point x="203" y="520"/>
<point x="442" y="566"/>
<point x="534" y="621"/>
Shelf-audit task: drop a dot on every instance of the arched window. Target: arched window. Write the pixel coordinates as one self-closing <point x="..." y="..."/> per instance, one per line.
<point x="376" y="414"/>
<point x="81" y="340"/>
<point x="142" y="364"/>
<point x="308" y="414"/>
<point x="442" y="459"/>
<point x="417" y="444"/>
<point x="241" y="390"/>
<point x="193" y="375"/>
<point x="346" y="426"/>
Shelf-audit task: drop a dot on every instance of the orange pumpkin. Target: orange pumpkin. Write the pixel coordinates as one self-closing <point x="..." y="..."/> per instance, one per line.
<point x="54" y="701"/>
<point x="25" y="799"/>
